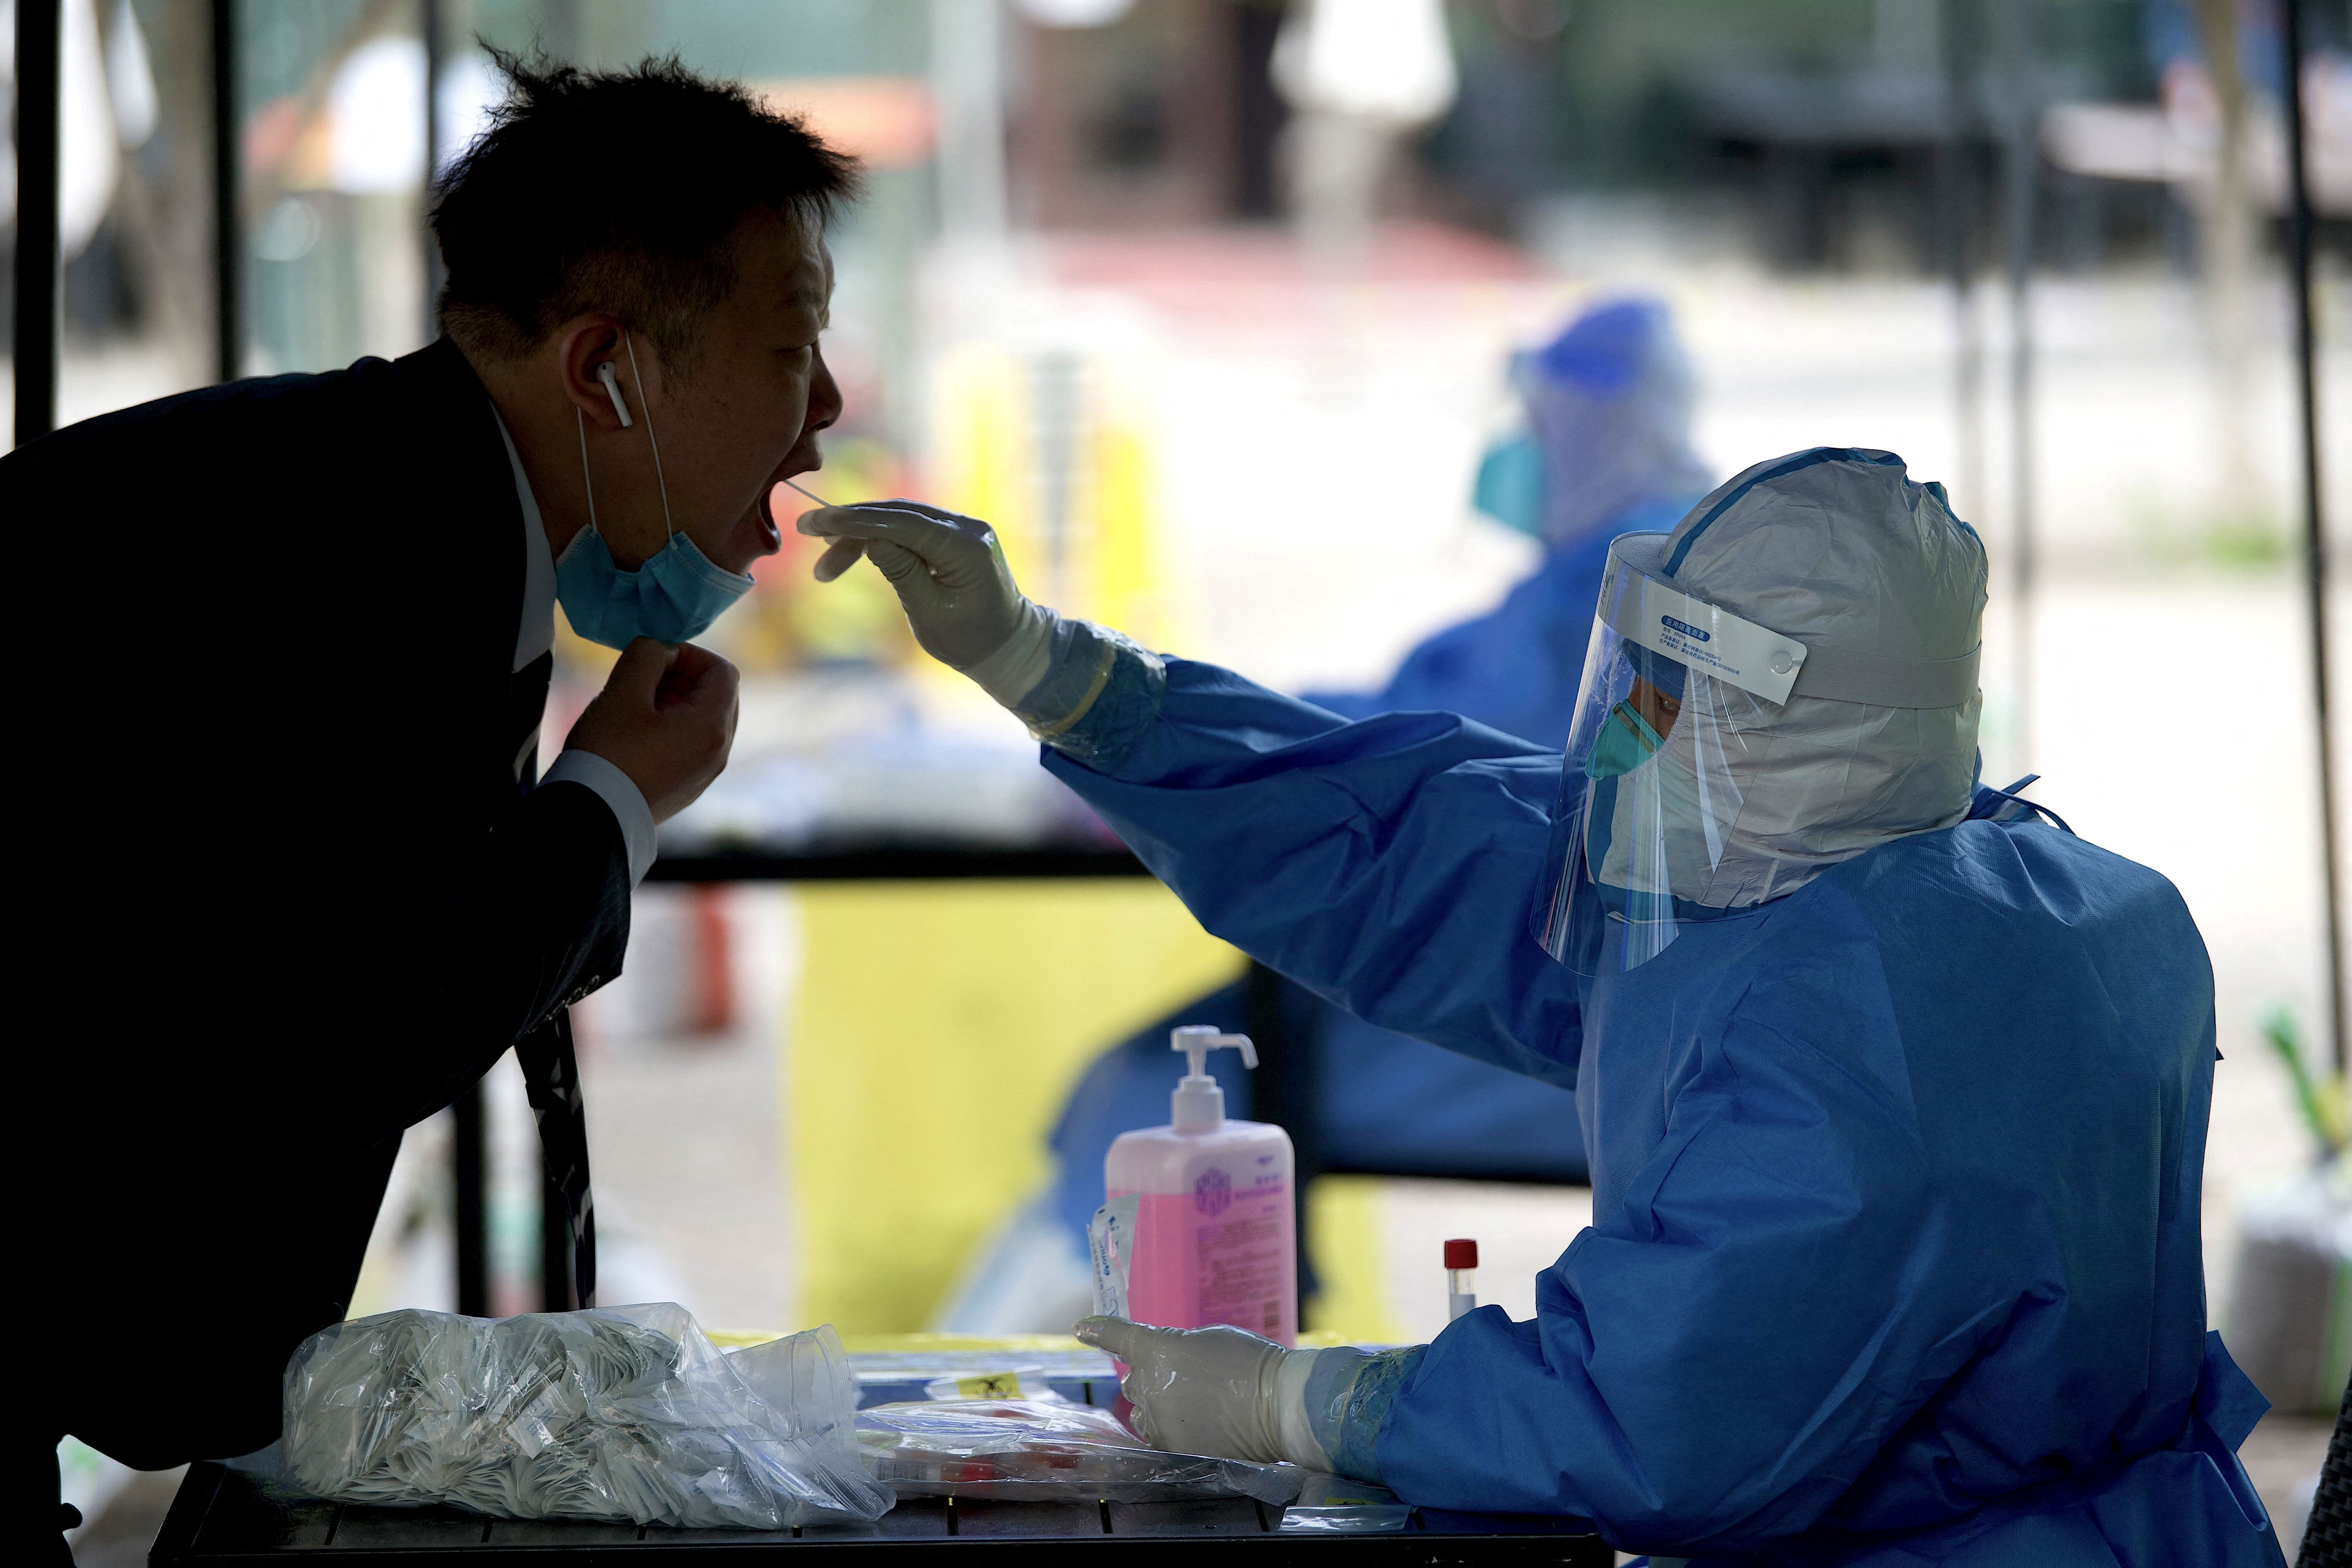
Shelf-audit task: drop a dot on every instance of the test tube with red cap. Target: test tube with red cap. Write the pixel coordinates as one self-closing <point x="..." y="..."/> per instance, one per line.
<point x="1461" y="1262"/>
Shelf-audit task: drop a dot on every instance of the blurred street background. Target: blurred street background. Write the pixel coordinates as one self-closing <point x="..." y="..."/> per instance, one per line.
<point x="1217" y="333"/>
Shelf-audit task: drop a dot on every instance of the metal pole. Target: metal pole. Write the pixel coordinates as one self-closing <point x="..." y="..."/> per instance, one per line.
<point x="1283" y="1091"/>
<point x="1957" y="212"/>
<point x="556" y="1291"/>
<point x="968" y="80"/>
<point x="433" y="44"/>
<point x="469" y="1148"/>
<point x="2315" y="532"/>
<point x="228" y="270"/>
<point x="2020" y="169"/>
<point x="38" y="294"/>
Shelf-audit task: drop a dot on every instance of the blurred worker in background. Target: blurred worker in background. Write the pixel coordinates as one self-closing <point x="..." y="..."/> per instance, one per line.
<point x="1604" y="449"/>
<point x="1894" y="1096"/>
<point x="305" y="728"/>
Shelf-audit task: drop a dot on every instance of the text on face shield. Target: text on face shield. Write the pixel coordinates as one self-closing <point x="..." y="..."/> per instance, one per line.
<point x="1686" y="629"/>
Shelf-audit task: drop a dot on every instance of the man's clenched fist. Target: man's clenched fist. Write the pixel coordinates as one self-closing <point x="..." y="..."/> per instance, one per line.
<point x="666" y="718"/>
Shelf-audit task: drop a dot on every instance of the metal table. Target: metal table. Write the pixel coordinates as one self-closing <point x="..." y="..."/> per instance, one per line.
<point x="224" y="1515"/>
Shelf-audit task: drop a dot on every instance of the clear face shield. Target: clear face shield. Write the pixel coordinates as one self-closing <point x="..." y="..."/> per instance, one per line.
<point x="1676" y="696"/>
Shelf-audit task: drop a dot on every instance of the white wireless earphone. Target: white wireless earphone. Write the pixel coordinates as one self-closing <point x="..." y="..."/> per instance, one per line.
<point x="613" y="388"/>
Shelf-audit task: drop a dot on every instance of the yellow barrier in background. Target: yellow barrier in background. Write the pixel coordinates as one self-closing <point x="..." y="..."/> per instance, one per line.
<point x="938" y="1027"/>
<point x="1055" y="450"/>
<point x="1353" y="1302"/>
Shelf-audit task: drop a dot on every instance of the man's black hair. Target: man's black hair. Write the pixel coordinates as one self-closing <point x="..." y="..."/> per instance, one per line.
<point x="619" y="190"/>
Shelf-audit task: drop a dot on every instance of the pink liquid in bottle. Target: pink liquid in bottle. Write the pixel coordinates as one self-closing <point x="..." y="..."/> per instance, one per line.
<point x="1216" y="1238"/>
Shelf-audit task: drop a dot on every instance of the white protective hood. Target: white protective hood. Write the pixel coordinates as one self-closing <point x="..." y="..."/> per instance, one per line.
<point x="1723" y="784"/>
<point x="1838" y="550"/>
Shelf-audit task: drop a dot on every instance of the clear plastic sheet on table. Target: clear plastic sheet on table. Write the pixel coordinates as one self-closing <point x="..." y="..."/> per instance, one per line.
<point x="1081" y="1375"/>
<point x="1339" y="1505"/>
<point x="616" y="1413"/>
<point x="1045" y="1449"/>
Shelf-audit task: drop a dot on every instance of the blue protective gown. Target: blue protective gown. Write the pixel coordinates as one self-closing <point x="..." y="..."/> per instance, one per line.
<point x="1894" y="1252"/>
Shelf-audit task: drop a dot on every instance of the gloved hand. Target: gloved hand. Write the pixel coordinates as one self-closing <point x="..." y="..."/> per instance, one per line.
<point x="952" y="580"/>
<point x="1223" y="1392"/>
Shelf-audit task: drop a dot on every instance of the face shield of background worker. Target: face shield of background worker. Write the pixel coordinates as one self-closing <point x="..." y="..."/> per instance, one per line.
<point x="297" y="829"/>
<point x="1604" y="449"/>
<point x="1896" y="1119"/>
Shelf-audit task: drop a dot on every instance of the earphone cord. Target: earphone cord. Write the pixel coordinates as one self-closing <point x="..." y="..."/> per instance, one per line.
<point x="582" y="420"/>
<point x="646" y="404"/>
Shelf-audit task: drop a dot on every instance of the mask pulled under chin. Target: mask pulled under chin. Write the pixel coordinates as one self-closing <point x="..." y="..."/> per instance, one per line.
<point x="672" y="598"/>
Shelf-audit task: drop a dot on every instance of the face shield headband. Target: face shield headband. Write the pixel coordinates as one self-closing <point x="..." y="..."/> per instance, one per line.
<point x="1678" y="746"/>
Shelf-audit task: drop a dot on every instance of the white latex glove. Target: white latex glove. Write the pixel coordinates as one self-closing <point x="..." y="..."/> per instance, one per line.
<point x="952" y="580"/>
<point x="1223" y="1392"/>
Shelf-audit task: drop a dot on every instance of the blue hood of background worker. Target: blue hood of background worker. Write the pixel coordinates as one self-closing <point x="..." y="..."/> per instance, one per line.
<point x="1604" y="449"/>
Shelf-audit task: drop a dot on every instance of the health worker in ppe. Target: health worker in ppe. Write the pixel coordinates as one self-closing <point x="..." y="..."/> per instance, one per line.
<point x="1604" y="449"/>
<point x="1894" y="1093"/>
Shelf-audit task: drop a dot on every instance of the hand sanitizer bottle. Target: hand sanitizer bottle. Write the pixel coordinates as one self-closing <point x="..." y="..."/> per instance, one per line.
<point x="1215" y="1236"/>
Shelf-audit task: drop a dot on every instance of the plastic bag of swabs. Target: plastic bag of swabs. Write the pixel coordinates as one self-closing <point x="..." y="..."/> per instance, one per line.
<point x="616" y="1413"/>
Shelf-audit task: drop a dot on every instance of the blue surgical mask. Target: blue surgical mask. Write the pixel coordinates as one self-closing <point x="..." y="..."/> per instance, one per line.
<point x="672" y="598"/>
<point x="1510" y="485"/>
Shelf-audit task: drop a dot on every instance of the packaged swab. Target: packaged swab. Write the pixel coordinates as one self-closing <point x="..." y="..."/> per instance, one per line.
<point x="1045" y="1449"/>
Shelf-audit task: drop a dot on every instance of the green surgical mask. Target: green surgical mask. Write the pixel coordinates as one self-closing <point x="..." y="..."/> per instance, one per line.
<point x="1624" y="743"/>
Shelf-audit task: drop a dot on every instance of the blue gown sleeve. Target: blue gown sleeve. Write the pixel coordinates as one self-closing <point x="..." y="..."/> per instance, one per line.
<point x="1388" y="864"/>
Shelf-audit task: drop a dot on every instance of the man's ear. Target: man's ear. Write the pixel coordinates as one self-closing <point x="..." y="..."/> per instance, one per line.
<point x="585" y="342"/>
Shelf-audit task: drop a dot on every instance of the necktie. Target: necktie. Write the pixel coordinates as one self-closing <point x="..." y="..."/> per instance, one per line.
<point x="551" y="1071"/>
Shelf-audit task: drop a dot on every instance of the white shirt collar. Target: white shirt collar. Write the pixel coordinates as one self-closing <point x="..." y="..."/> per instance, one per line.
<point x="537" y="632"/>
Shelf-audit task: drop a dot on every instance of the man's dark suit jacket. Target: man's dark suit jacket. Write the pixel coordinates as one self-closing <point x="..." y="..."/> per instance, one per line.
<point x="286" y="897"/>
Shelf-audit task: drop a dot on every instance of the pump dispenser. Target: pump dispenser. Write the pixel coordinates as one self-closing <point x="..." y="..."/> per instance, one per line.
<point x="1216" y="1235"/>
<point x="1199" y="1103"/>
